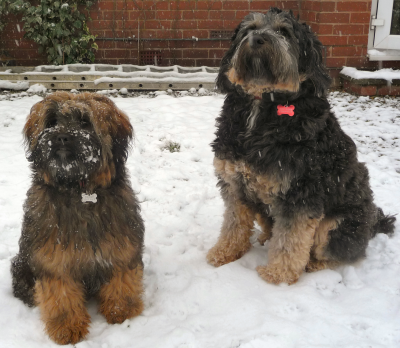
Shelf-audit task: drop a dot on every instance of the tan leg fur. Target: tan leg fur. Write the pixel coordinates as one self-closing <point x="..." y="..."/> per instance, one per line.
<point x="121" y="297"/>
<point x="289" y="251"/>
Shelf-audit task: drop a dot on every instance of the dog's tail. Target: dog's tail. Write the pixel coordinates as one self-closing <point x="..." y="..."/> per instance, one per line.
<point x="384" y="224"/>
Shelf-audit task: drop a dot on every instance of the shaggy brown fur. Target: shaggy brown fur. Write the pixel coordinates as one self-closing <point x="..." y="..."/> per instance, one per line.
<point x="71" y="248"/>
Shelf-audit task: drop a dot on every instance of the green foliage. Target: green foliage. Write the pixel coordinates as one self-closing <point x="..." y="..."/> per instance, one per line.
<point x="6" y="7"/>
<point x="59" y="28"/>
<point x="172" y="146"/>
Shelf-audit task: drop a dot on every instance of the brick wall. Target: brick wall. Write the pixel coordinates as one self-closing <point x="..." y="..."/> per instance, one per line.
<point x="168" y="27"/>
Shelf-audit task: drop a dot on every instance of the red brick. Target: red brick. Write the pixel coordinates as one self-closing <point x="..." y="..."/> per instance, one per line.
<point x="148" y="34"/>
<point x="209" y="44"/>
<point x="195" y="54"/>
<point x="389" y="90"/>
<point x="152" y="24"/>
<point x="101" y="25"/>
<point x="201" y="34"/>
<point x="175" y="15"/>
<point x="263" y="6"/>
<point x="346" y="51"/>
<point x="186" y="25"/>
<point x="196" y="14"/>
<point x="156" y="45"/>
<point x="116" y="54"/>
<point x="288" y="5"/>
<point x="105" y="44"/>
<point x="126" y="45"/>
<point x="236" y="5"/>
<point x="225" y="44"/>
<point x="96" y="15"/>
<point x="352" y="6"/>
<point x="169" y="34"/>
<point x="182" y="5"/>
<point x="307" y="5"/>
<point x="213" y="53"/>
<point x="227" y="25"/>
<point x="132" y="60"/>
<point x="348" y="29"/>
<point x="333" y="17"/>
<point x="361" y="63"/>
<point x="146" y="15"/>
<point x="324" y="29"/>
<point x="147" y="5"/>
<point x="223" y="14"/>
<point x="362" y="17"/>
<point x="172" y="54"/>
<point x="105" y="5"/>
<point x="134" y="15"/>
<point x="211" y="24"/>
<point x="240" y="15"/>
<point x="328" y="6"/>
<point x="358" y="40"/>
<point x="333" y="40"/>
<point x="181" y="44"/>
<point x="209" y="5"/>
<point x="114" y="15"/>
<point x="162" y="5"/>
<point x="335" y="62"/>
<point x="311" y="17"/>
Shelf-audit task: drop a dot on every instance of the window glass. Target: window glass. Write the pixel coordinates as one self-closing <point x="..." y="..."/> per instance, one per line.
<point x="395" y="27"/>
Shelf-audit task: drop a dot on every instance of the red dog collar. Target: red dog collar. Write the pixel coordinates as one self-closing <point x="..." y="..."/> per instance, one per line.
<point x="285" y="110"/>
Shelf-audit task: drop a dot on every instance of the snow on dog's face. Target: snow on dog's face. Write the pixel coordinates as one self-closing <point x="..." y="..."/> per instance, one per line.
<point x="77" y="140"/>
<point x="272" y="52"/>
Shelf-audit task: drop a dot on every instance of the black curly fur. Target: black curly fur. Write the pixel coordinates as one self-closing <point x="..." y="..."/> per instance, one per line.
<point x="309" y="149"/>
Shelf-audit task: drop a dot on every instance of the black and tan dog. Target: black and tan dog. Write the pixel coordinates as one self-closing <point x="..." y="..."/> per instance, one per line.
<point x="282" y="159"/>
<point x="82" y="232"/>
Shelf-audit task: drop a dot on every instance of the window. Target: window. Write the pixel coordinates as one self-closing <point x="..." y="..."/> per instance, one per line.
<point x="384" y="37"/>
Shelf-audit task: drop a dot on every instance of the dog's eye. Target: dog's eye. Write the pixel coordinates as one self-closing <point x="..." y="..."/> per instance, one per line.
<point x="85" y="123"/>
<point x="51" y="123"/>
<point x="284" y="32"/>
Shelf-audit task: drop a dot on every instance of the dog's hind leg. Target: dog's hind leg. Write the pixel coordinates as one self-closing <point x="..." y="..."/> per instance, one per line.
<point x="121" y="297"/>
<point x="266" y="224"/>
<point x="236" y="231"/>
<point x="318" y="259"/>
<point x="289" y="250"/>
<point x="61" y="301"/>
<point x="23" y="280"/>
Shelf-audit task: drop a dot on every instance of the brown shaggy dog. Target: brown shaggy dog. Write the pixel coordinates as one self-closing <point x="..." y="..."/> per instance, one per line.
<point x="82" y="232"/>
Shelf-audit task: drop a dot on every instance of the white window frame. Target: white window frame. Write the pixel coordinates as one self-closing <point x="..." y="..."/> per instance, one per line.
<point x="382" y="45"/>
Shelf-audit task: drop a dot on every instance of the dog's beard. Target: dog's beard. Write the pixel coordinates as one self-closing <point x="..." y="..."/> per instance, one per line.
<point x="272" y="67"/>
<point x="71" y="162"/>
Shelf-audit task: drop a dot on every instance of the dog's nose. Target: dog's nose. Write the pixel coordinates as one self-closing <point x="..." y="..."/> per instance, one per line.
<point x="63" y="138"/>
<point x="256" y="41"/>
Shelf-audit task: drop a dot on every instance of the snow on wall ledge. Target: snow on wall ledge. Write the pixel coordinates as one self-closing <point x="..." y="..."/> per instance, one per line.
<point x="371" y="83"/>
<point x="103" y="76"/>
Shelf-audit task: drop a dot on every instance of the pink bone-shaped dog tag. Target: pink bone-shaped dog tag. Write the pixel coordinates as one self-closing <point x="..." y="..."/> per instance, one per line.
<point x="285" y="110"/>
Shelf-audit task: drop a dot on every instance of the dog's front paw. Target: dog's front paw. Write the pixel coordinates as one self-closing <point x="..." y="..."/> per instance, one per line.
<point x="222" y="254"/>
<point x="116" y="312"/>
<point x="66" y="330"/>
<point x="276" y="275"/>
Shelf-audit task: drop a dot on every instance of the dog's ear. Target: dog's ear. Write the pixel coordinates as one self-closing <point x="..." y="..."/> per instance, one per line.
<point x="312" y="62"/>
<point x="112" y="122"/>
<point x="37" y="118"/>
<point x="222" y="82"/>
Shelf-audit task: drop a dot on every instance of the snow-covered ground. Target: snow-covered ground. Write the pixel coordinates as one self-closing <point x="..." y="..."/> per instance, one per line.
<point x="188" y="302"/>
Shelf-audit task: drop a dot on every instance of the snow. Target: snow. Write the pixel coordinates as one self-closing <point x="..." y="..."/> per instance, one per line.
<point x="19" y="85"/>
<point x="37" y="88"/>
<point x="189" y="303"/>
<point x="385" y="74"/>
